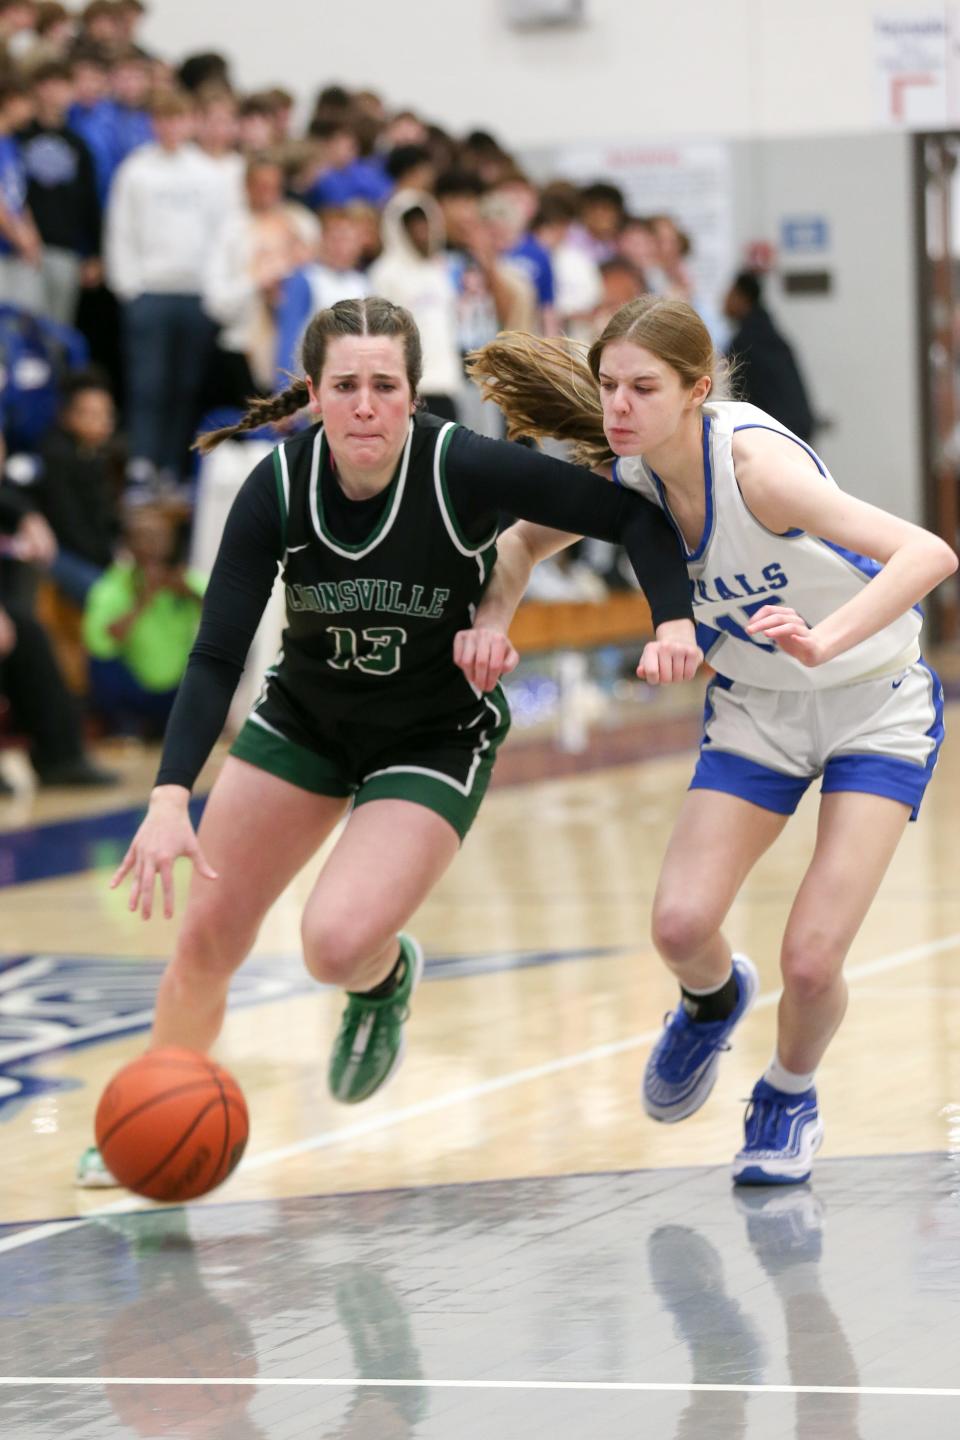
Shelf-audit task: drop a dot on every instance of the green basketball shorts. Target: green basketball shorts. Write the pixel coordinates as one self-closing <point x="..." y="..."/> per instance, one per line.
<point x="444" y="764"/>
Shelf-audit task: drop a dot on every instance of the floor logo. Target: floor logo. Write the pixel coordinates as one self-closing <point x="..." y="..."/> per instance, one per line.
<point x="51" y="1003"/>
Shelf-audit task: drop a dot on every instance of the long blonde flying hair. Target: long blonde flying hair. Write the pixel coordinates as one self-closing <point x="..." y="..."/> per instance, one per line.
<point x="551" y="387"/>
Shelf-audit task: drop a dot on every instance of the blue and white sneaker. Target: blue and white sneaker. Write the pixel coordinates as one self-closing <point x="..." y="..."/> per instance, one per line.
<point x="682" y="1069"/>
<point x="783" y="1133"/>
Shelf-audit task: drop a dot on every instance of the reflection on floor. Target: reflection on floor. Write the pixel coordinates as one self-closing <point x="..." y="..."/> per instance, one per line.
<point x="644" y="1285"/>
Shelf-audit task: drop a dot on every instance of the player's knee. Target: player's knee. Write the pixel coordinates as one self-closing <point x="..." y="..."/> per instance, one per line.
<point x="680" y="929"/>
<point x="208" y="946"/>
<point x="810" y="965"/>
<point x="332" y="952"/>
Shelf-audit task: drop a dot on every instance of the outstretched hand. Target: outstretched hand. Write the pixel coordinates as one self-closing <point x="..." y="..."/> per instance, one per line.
<point x="791" y="632"/>
<point x="165" y="834"/>
<point x="484" y="656"/>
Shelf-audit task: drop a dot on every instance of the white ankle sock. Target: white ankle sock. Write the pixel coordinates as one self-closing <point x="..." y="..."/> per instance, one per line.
<point x="786" y="1080"/>
<point x="711" y="989"/>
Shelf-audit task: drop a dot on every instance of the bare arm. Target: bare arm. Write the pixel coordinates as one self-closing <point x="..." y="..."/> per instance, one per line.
<point x="485" y="653"/>
<point x="519" y="549"/>
<point x="784" y="490"/>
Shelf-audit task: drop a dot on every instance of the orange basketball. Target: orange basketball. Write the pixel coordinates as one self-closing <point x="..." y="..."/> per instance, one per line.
<point x="172" y="1125"/>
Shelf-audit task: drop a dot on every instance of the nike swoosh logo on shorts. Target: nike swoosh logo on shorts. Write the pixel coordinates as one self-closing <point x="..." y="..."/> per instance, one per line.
<point x="897" y="683"/>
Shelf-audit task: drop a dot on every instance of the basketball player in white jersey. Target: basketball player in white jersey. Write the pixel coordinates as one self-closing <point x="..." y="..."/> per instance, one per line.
<point x="806" y="600"/>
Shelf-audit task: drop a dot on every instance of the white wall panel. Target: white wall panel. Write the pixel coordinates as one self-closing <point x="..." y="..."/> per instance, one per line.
<point x="641" y="67"/>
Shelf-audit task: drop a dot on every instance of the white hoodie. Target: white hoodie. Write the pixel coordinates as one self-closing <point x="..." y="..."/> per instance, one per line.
<point x="423" y="285"/>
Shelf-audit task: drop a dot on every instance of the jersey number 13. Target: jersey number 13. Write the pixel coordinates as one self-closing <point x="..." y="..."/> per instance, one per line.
<point x="378" y="655"/>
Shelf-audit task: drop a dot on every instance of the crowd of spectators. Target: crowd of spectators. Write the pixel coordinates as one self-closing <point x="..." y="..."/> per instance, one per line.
<point x="164" y="238"/>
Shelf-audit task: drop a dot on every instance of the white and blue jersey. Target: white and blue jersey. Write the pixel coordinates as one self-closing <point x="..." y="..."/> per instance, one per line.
<point x="738" y="566"/>
<point x="869" y="720"/>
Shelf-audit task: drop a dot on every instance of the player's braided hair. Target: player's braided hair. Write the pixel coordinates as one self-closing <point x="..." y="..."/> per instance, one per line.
<point x="551" y="387"/>
<point x="370" y="316"/>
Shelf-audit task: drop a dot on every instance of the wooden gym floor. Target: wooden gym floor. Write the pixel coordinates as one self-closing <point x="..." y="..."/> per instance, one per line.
<point x="353" y="1279"/>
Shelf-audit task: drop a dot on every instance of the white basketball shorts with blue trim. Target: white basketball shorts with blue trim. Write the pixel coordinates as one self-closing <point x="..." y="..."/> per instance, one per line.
<point x="879" y="737"/>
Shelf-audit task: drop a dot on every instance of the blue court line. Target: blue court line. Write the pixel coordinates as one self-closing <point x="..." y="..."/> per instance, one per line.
<point x="66" y="847"/>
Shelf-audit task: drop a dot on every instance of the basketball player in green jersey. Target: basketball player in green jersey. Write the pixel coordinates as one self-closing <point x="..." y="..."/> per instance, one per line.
<point x="383" y="520"/>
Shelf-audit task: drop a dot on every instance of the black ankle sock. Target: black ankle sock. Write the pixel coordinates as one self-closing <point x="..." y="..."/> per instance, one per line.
<point x="387" y="987"/>
<point x="718" y="1005"/>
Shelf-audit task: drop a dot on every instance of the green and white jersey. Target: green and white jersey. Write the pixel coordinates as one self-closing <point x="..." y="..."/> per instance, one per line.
<point x="370" y="624"/>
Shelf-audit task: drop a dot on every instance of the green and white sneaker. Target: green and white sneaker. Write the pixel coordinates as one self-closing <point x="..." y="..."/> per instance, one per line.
<point x="91" y="1173"/>
<point x="370" y="1044"/>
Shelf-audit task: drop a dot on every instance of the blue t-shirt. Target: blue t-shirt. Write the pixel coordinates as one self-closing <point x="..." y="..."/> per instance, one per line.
<point x="96" y="126"/>
<point x="13" y="184"/>
<point x="531" y="257"/>
<point x="361" y="180"/>
<point x="132" y="128"/>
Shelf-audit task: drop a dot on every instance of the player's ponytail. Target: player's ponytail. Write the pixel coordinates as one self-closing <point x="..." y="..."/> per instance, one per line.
<point x="370" y="316"/>
<point x="544" y="388"/>
<point x="551" y="387"/>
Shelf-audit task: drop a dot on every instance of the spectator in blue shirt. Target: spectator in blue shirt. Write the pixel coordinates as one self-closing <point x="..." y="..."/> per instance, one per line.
<point x="93" y="115"/>
<point x="509" y="209"/>
<point x="130" y="81"/>
<point x="343" y="176"/>
<point x="526" y="249"/>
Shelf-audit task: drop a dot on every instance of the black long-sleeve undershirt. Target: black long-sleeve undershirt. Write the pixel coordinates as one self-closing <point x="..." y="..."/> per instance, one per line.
<point x="485" y="478"/>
